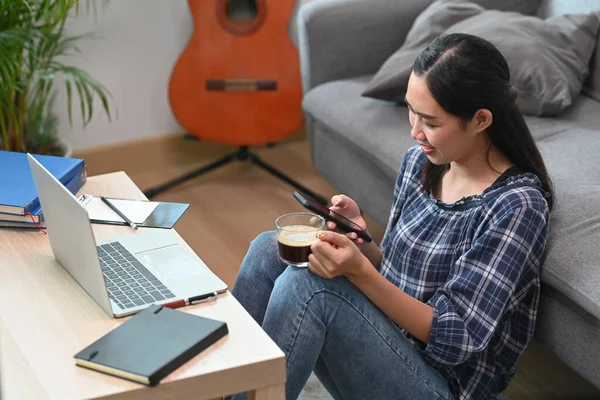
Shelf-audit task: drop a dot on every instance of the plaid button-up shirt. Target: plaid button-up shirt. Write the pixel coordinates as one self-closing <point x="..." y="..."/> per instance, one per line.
<point x="476" y="263"/>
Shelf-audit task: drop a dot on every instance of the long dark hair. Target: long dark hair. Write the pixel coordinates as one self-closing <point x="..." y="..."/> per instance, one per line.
<point x="465" y="73"/>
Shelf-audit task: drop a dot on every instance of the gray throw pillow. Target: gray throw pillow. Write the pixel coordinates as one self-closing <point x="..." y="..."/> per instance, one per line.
<point x="390" y="82"/>
<point x="527" y="7"/>
<point x="591" y="86"/>
<point x="548" y="59"/>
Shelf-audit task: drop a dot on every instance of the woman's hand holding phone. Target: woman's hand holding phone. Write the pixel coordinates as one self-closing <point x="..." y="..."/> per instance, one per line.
<point x="345" y="212"/>
<point x="341" y="223"/>
<point x="348" y="208"/>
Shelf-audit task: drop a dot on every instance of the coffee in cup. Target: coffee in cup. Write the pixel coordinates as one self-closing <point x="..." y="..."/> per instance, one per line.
<point x="296" y="233"/>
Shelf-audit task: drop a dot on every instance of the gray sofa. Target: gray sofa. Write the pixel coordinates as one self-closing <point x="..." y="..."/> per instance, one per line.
<point x="357" y="144"/>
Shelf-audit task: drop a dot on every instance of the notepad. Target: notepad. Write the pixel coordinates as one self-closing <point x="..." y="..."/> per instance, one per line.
<point x="154" y="214"/>
<point x="136" y="211"/>
<point x="151" y="344"/>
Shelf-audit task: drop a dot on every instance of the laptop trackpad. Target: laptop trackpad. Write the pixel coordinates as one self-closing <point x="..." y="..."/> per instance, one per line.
<point x="174" y="266"/>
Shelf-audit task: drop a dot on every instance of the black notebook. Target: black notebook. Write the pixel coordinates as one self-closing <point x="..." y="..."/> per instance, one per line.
<point x="151" y="344"/>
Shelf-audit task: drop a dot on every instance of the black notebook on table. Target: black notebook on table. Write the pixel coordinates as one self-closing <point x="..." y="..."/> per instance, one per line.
<point x="151" y="344"/>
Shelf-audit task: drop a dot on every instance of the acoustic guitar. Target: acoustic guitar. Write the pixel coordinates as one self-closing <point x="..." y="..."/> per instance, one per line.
<point x="238" y="79"/>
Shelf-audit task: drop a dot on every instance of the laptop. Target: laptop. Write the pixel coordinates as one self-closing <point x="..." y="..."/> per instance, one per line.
<point x="128" y="273"/>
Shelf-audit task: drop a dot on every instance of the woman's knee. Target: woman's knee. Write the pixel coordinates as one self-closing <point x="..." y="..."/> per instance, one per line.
<point x="297" y="285"/>
<point x="264" y="241"/>
<point x="264" y="247"/>
<point x="262" y="255"/>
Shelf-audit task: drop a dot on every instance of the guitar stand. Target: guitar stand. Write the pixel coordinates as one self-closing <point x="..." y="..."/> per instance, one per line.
<point x="242" y="154"/>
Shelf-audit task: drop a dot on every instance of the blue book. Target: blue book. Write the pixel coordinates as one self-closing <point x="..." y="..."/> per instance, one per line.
<point x="36" y="217"/>
<point x="18" y="194"/>
<point x="20" y="225"/>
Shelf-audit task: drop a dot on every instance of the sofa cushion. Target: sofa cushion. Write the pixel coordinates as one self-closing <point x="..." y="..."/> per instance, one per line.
<point x="548" y="58"/>
<point x="379" y="131"/>
<point x="584" y="112"/>
<point x="571" y="149"/>
<point x="572" y="264"/>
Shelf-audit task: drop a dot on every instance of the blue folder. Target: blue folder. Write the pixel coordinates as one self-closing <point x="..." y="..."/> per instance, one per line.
<point x="18" y="194"/>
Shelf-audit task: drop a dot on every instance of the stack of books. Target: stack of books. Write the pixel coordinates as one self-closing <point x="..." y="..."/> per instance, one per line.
<point x="19" y="202"/>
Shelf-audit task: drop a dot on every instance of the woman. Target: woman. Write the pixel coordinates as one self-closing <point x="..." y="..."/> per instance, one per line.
<point x="446" y="305"/>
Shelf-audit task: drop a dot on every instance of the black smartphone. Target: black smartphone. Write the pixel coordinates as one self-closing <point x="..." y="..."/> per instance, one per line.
<point x="342" y="222"/>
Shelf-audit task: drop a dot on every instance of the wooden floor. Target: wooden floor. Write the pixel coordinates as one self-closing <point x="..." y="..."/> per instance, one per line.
<point x="231" y="205"/>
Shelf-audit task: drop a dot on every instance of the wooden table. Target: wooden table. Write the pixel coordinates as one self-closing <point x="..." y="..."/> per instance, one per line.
<point x="46" y="318"/>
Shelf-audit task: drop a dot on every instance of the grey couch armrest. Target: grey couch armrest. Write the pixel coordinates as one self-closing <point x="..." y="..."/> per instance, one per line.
<point x="343" y="38"/>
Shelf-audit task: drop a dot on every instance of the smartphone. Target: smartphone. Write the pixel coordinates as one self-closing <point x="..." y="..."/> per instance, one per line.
<point x="342" y="222"/>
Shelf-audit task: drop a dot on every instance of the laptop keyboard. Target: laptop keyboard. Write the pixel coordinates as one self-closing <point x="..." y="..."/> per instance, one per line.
<point x="129" y="283"/>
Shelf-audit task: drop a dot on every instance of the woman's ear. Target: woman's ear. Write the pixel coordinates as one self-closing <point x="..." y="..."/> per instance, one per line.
<point x="482" y="119"/>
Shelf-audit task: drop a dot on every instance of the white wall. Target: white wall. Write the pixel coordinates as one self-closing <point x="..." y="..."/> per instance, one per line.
<point x="139" y="43"/>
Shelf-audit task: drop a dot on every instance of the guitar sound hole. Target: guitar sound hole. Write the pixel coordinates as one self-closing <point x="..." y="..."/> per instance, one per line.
<point x="241" y="10"/>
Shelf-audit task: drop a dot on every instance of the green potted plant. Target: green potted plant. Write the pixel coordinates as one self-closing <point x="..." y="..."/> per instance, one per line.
<point x="33" y="43"/>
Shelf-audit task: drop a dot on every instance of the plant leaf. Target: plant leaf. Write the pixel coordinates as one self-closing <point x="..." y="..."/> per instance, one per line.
<point x="13" y="43"/>
<point x="4" y="128"/>
<point x="86" y="87"/>
<point x="69" y="96"/>
<point x="80" y="91"/>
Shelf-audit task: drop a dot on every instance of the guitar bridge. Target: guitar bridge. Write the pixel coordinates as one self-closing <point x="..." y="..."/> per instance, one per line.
<point x="241" y="85"/>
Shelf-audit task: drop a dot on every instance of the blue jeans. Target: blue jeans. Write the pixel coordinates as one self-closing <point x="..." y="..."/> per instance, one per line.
<point x="331" y="327"/>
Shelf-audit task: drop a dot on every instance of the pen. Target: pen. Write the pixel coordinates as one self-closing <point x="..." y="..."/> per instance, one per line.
<point x="115" y="209"/>
<point x="192" y="300"/>
<point x="202" y="298"/>
<point x="175" y="304"/>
